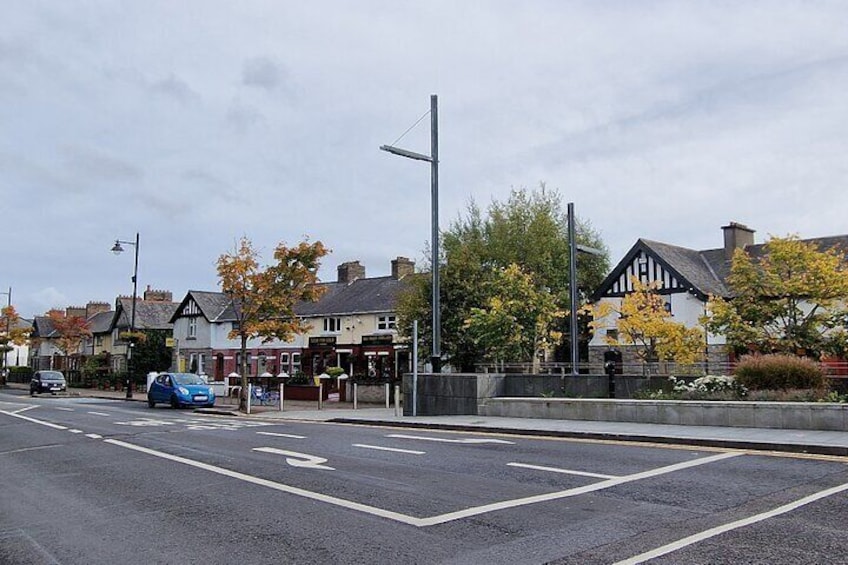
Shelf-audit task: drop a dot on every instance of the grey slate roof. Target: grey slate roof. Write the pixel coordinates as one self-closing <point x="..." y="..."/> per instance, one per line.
<point x="215" y="306"/>
<point x="101" y="322"/>
<point x="704" y="271"/>
<point x="362" y="296"/>
<point x="149" y="315"/>
<point x="42" y="327"/>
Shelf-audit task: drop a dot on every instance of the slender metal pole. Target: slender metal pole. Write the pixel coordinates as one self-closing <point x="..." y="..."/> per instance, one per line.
<point x="132" y="322"/>
<point x="415" y="367"/>
<point x="434" y="227"/>
<point x="572" y="286"/>
<point x="8" y="336"/>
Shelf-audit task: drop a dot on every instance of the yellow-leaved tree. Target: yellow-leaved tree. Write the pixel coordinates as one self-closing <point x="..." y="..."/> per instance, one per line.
<point x="644" y="322"/>
<point x="791" y="298"/>
<point x="264" y="298"/>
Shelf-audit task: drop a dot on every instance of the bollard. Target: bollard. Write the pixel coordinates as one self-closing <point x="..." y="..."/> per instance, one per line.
<point x="397" y="401"/>
<point x="609" y="367"/>
<point x="282" y="395"/>
<point x="249" y="396"/>
<point x="387" y="395"/>
<point x="355" y="394"/>
<point x="320" y="395"/>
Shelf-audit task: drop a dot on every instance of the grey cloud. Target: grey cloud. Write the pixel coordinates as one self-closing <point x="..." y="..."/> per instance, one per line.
<point x="242" y="118"/>
<point x="262" y="72"/>
<point x="175" y="87"/>
<point x="97" y="166"/>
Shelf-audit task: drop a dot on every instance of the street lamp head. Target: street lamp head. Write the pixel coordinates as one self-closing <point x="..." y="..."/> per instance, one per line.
<point x="117" y="249"/>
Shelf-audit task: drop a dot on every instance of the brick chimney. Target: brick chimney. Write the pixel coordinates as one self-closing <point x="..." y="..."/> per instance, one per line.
<point x="93" y="308"/>
<point x="75" y="312"/>
<point x="401" y="267"/>
<point x="736" y="236"/>
<point x="151" y="295"/>
<point x="350" y="271"/>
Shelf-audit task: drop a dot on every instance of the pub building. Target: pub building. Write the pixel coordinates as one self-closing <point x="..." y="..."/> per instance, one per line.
<point x="353" y="324"/>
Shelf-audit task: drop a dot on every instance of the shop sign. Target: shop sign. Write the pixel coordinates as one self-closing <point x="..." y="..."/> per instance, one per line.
<point x="377" y="339"/>
<point x="323" y="341"/>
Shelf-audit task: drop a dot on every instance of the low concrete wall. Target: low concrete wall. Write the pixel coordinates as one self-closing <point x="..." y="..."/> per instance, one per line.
<point x="782" y="415"/>
<point x="443" y="394"/>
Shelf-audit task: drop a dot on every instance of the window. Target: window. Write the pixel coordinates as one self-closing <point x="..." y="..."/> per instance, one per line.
<point x="612" y="334"/>
<point x="98" y="341"/>
<point x="284" y="362"/>
<point x="386" y="323"/>
<point x="192" y="328"/>
<point x="332" y="325"/>
<point x="295" y="363"/>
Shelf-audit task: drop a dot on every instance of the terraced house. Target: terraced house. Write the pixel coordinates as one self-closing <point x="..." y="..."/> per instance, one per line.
<point x="353" y="326"/>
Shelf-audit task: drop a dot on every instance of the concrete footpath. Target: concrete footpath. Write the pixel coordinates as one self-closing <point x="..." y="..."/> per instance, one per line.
<point x="765" y="439"/>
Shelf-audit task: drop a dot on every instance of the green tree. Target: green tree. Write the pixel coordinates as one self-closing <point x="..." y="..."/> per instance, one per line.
<point x="643" y="322"/>
<point x="150" y="353"/>
<point x="264" y="298"/>
<point x="529" y="230"/>
<point x="789" y="299"/>
<point x="518" y="321"/>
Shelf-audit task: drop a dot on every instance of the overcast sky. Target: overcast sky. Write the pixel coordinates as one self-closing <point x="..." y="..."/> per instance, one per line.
<point x="197" y="122"/>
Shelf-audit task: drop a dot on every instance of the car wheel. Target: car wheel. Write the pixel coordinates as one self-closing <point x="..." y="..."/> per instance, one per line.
<point x="150" y="401"/>
<point x="175" y="403"/>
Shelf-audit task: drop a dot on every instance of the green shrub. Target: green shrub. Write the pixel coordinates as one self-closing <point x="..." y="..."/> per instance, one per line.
<point x="334" y="372"/>
<point x="779" y="372"/>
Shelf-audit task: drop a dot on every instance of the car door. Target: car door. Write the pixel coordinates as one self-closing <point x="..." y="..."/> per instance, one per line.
<point x="160" y="390"/>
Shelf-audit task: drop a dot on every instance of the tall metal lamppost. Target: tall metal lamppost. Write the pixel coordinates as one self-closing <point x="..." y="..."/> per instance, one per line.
<point x="433" y="159"/>
<point x="574" y="248"/>
<point x="117" y="250"/>
<point x="8" y="336"/>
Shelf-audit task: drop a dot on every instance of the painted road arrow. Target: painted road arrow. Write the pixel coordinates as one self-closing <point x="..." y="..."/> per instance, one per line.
<point x="296" y="459"/>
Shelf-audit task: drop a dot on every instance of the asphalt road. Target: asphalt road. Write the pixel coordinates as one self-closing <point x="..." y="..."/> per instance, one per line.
<point x="98" y="481"/>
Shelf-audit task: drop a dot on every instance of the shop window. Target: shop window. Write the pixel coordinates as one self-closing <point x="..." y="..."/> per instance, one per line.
<point x="192" y="328"/>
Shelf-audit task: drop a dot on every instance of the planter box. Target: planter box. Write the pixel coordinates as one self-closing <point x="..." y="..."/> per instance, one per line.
<point x="304" y="392"/>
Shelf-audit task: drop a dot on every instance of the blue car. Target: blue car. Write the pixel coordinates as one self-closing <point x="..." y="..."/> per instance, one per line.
<point x="180" y="389"/>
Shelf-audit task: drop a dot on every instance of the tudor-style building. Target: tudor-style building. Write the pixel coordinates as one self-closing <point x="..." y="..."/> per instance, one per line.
<point x="351" y="326"/>
<point x="688" y="278"/>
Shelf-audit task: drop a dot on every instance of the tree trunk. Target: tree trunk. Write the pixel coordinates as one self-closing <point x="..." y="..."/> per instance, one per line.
<point x="243" y="371"/>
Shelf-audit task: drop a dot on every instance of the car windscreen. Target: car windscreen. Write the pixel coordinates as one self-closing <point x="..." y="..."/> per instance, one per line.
<point x="188" y="379"/>
<point x="52" y="377"/>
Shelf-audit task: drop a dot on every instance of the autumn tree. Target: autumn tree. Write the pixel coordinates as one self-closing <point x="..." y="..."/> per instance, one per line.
<point x="71" y="331"/>
<point x="264" y="298"/>
<point x="529" y="230"/>
<point x="519" y="319"/>
<point x="791" y="298"/>
<point x="11" y="334"/>
<point x="643" y="322"/>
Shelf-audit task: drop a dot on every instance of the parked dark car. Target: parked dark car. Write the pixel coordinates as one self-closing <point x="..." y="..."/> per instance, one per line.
<point x="47" y="381"/>
<point x="180" y="389"/>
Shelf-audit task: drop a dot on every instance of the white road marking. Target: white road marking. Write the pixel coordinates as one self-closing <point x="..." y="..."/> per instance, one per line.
<point x="712" y="532"/>
<point x="296" y="459"/>
<point x="75" y="431"/>
<point x="449" y="440"/>
<point x="450" y="516"/>
<point x="34" y="421"/>
<point x="99" y="414"/>
<point x="94" y="436"/>
<point x="275" y="434"/>
<point x="23" y="449"/>
<point x="64" y="409"/>
<point x="392" y="449"/>
<point x="564" y="471"/>
<point x="18" y="411"/>
<point x="374" y="511"/>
